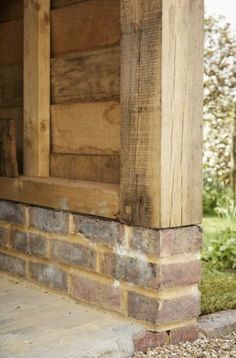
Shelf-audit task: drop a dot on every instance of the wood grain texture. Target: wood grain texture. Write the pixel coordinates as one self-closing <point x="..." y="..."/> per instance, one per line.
<point x="100" y="168"/>
<point x="55" y="4"/>
<point x="16" y="114"/>
<point x="140" y="111"/>
<point x="85" y="128"/>
<point x="85" y="26"/>
<point x="11" y="41"/>
<point x="93" y="76"/>
<point x="36" y="87"/>
<point x="8" y="160"/>
<point x="11" y="85"/>
<point x="79" y="196"/>
<point x="182" y="103"/>
<point x="161" y="112"/>
<point x="10" y="9"/>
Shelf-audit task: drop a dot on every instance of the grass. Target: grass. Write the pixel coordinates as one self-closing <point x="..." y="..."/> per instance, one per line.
<point x="218" y="288"/>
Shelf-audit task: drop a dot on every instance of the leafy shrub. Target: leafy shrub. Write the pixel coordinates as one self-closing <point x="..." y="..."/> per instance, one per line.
<point x="225" y="207"/>
<point x="212" y="191"/>
<point x="221" y="252"/>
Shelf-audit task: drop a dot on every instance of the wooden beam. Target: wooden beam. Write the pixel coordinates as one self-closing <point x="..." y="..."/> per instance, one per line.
<point x="36" y="87"/>
<point x="79" y="196"/>
<point x="161" y="112"/>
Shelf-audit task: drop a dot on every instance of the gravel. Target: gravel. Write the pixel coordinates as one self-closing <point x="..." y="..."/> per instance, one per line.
<point x="223" y="347"/>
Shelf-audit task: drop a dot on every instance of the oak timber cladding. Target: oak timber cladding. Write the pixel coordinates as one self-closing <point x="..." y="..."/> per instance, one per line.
<point x="11" y="69"/>
<point x="85" y="90"/>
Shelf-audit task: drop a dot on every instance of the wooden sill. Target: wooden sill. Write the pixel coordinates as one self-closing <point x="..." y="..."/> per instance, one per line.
<point x="85" y="197"/>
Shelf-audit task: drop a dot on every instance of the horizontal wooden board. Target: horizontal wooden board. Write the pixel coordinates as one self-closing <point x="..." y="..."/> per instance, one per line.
<point x="85" y="128"/>
<point x="11" y="41"/>
<point x="55" y="4"/>
<point x="102" y="168"/>
<point x="79" y="196"/>
<point x="10" y="9"/>
<point x="91" y="76"/>
<point x="85" y="26"/>
<point x="11" y="85"/>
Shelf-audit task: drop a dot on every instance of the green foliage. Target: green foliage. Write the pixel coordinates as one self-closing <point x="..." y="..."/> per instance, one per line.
<point x="213" y="189"/>
<point x="218" y="290"/>
<point x="225" y="206"/>
<point x="220" y="253"/>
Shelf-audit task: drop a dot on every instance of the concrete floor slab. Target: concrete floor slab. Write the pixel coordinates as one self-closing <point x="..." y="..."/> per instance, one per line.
<point x="38" y="324"/>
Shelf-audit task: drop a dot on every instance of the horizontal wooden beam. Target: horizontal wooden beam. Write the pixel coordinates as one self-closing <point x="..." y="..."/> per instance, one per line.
<point x="79" y="196"/>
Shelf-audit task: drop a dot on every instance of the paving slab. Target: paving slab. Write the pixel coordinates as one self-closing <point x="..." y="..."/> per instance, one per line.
<point x="38" y="324"/>
<point x="218" y="324"/>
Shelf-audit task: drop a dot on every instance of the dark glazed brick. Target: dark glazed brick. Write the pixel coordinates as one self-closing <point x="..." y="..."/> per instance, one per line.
<point x="180" y="274"/>
<point x="99" y="231"/>
<point x="12" y="264"/>
<point x="180" y="241"/>
<point x="150" y="340"/>
<point x="73" y="254"/>
<point x="95" y="292"/>
<point x="12" y="212"/>
<point x="142" y="307"/>
<point x="4" y="234"/>
<point x="184" y="334"/>
<point x="146" y="241"/>
<point x="133" y="270"/>
<point x="28" y="243"/>
<point x="49" y="220"/>
<point x="50" y="275"/>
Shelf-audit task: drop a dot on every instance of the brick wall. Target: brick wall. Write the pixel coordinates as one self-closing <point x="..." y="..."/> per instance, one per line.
<point x="147" y="275"/>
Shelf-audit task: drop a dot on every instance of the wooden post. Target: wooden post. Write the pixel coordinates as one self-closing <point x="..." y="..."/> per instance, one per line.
<point x="36" y="87"/>
<point x="161" y="109"/>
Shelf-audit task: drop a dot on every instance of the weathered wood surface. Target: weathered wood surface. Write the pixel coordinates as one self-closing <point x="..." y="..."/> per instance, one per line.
<point x="93" y="76"/>
<point x="101" y="168"/>
<point x="85" y="128"/>
<point x="140" y="111"/>
<point x="11" y="10"/>
<point x="79" y="196"/>
<point x="8" y="160"/>
<point x="11" y="41"/>
<point x="85" y="26"/>
<point x="11" y="85"/>
<point x="36" y="87"/>
<point x="161" y="112"/>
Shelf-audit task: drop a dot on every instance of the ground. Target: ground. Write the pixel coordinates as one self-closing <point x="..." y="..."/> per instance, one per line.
<point x="218" y="288"/>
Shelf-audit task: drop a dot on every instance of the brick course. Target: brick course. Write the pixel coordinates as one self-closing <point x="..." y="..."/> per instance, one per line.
<point x="148" y="275"/>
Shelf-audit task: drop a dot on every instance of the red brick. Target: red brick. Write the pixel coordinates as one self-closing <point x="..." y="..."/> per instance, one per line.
<point x="12" y="264"/>
<point x="12" y="212"/>
<point x="133" y="270"/>
<point x="49" y="275"/>
<point x="184" y="334"/>
<point x="73" y="254"/>
<point x="49" y="220"/>
<point x="142" y="307"/>
<point x="147" y="339"/>
<point x="100" y="231"/>
<point x="145" y="241"/>
<point x="180" y="274"/>
<point x="180" y="240"/>
<point x="106" y="296"/>
<point x="4" y="234"/>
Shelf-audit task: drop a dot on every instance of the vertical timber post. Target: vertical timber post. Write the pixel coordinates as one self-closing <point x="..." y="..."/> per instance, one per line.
<point x="36" y="87"/>
<point x="161" y="108"/>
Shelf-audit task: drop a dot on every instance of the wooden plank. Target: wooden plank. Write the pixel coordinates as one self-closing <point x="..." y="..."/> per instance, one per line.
<point x="16" y="114"/>
<point x="182" y="103"/>
<point x="102" y="168"/>
<point x="10" y="9"/>
<point x="55" y="4"/>
<point x="94" y="76"/>
<point x="78" y="196"/>
<point x="11" y="41"/>
<point x="8" y="161"/>
<point x="36" y="87"/>
<point x="140" y="111"/>
<point x="161" y="112"/>
<point x="85" y="128"/>
<point x="85" y="26"/>
<point x="11" y="85"/>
